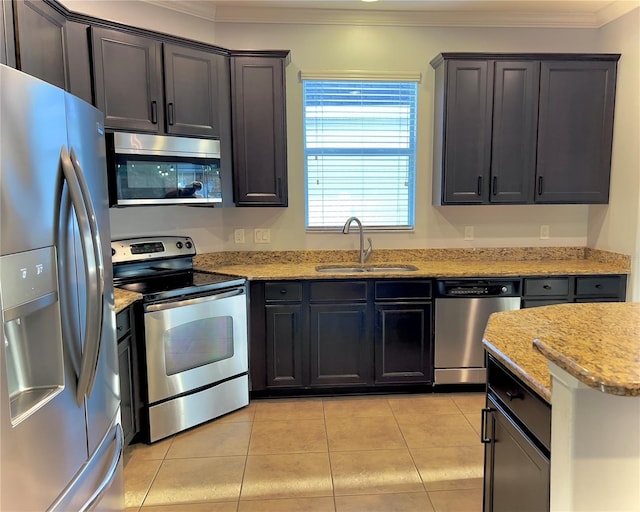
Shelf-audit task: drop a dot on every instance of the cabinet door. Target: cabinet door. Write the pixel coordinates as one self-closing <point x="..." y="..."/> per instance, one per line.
<point x="575" y="131"/>
<point x="259" y="131"/>
<point x="468" y="132"/>
<point x="7" y="41"/>
<point x="402" y="343"/>
<point x="518" y="474"/>
<point x="340" y="347"/>
<point x="128" y="80"/>
<point x="39" y="32"/>
<point x="78" y="60"/>
<point x="284" y="345"/>
<point x="127" y="397"/>
<point x="192" y="91"/>
<point x="515" y="117"/>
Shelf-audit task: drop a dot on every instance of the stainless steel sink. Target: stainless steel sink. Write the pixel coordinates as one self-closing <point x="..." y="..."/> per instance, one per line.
<point x="343" y="269"/>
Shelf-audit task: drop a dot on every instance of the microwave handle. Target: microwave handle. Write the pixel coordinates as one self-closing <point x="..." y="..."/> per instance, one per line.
<point x="190" y="302"/>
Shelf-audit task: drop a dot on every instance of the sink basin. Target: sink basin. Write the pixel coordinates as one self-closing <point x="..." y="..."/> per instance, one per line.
<point x="343" y="269"/>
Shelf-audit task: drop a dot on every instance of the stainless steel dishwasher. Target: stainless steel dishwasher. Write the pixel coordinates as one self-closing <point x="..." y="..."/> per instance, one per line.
<point x="462" y="308"/>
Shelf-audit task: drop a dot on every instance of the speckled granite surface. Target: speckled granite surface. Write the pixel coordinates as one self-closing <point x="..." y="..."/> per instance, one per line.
<point x="598" y="343"/>
<point x="429" y="262"/>
<point x="124" y="298"/>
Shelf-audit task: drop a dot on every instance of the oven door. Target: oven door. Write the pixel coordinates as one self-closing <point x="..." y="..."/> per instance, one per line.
<point x="195" y="342"/>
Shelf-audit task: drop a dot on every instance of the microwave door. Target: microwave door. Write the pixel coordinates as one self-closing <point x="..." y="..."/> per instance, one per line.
<point x="155" y="179"/>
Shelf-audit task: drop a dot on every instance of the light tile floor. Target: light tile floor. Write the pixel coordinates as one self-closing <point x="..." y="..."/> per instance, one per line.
<point x="391" y="453"/>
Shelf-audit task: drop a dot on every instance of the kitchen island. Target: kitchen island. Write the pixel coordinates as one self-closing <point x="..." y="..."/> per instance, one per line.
<point x="584" y="359"/>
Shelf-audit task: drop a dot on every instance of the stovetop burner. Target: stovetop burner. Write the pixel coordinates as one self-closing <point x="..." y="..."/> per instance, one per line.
<point x="162" y="267"/>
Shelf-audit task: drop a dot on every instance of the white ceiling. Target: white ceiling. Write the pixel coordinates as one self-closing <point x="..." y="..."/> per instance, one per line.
<point x="482" y="13"/>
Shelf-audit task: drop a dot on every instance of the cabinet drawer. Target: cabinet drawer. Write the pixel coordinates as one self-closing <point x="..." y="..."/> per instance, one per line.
<point x="531" y="410"/>
<point x="413" y="289"/>
<point x="123" y="323"/>
<point x="549" y="286"/>
<point x="338" y="291"/>
<point x="283" y="291"/>
<point x="605" y="286"/>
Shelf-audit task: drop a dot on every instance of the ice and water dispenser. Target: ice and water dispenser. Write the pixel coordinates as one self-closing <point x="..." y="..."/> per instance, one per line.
<point x="33" y="349"/>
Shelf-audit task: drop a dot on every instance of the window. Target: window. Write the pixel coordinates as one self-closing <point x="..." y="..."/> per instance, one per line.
<point x="360" y="152"/>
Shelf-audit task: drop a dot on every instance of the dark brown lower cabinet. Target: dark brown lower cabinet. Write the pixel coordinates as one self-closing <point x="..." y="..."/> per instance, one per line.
<point x="340" y="346"/>
<point x="130" y="402"/>
<point x="517" y="433"/>
<point x="284" y="338"/>
<point x="340" y="334"/>
<point x="403" y="331"/>
<point x="403" y="343"/>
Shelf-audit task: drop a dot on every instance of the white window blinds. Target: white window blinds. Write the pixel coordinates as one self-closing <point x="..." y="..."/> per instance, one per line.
<point x="360" y="152"/>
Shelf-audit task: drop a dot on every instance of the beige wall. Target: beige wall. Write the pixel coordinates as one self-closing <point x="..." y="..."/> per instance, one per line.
<point x="343" y="47"/>
<point x="616" y="227"/>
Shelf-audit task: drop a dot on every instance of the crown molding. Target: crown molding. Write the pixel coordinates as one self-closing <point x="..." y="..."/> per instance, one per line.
<point x="227" y="13"/>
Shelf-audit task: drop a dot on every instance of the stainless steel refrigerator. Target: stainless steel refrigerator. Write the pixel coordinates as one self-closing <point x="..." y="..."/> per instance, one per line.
<point x="61" y="439"/>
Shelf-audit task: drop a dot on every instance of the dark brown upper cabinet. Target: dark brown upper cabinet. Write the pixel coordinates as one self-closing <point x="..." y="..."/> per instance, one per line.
<point x="127" y="80"/>
<point x="259" y="129"/>
<point x="40" y="40"/>
<point x="7" y="39"/>
<point x="522" y="128"/>
<point x="142" y="84"/>
<point x="192" y="90"/>
<point x="575" y="131"/>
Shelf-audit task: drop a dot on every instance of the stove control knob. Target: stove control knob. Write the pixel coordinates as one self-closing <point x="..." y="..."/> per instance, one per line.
<point x="179" y="245"/>
<point x="504" y="289"/>
<point x="188" y="245"/>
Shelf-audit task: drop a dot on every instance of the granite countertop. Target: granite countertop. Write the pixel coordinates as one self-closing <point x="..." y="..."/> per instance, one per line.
<point x="430" y="263"/>
<point x="597" y="343"/>
<point x="124" y="298"/>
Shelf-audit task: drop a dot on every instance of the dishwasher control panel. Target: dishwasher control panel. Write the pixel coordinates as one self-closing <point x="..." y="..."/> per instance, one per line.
<point x="478" y="288"/>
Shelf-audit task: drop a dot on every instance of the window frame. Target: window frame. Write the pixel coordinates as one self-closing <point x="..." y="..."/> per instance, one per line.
<point x="410" y="151"/>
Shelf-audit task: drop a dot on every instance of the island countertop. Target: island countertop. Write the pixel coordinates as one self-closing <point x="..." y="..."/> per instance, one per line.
<point x="597" y="343"/>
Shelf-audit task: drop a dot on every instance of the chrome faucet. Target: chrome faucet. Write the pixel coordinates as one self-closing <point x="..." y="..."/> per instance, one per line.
<point x="364" y="254"/>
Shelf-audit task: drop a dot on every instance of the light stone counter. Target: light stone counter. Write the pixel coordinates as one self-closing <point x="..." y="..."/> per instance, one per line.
<point x="124" y="298"/>
<point x="588" y="357"/>
<point x="597" y="343"/>
<point x="430" y="263"/>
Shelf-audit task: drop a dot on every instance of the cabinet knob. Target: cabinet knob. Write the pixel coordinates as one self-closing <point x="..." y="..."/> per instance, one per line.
<point x="283" y="291"/>
<point x="547" y="287"/>
<point x="515" y="395"/>
<point x="598" y="286"/>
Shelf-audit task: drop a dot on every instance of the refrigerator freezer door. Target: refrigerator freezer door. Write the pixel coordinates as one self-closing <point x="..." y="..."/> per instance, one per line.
<point x="41" y="454"/>
<point x="30" y="150"/>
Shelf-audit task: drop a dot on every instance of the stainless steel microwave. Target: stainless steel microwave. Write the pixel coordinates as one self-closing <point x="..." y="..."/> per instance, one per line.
<point x="149" y="169"/>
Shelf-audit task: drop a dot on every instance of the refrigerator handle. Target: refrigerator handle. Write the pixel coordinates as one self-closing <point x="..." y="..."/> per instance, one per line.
<point x="94" y="270"/>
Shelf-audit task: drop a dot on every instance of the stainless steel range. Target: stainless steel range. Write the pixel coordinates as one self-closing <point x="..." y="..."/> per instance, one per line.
<point x="195" y="333"/>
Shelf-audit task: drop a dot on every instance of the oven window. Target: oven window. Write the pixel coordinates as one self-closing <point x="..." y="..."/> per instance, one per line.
<point x="198" y="343"/>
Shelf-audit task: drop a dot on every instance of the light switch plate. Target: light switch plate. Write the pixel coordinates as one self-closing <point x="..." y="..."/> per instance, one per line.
<point x="468" y="232"/>
<point x="262" y="236"/>
<point x="544" y="232"/>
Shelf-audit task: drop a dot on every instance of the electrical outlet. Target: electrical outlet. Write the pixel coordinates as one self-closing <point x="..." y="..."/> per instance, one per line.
<point x="544" y="231"/>
<point x="468" y="232"/>
<point x="238" y="236"/>
<point x="262" y="236"/>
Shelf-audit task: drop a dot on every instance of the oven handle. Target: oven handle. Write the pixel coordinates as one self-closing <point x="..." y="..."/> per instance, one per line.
<point x="189" y="302"/>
